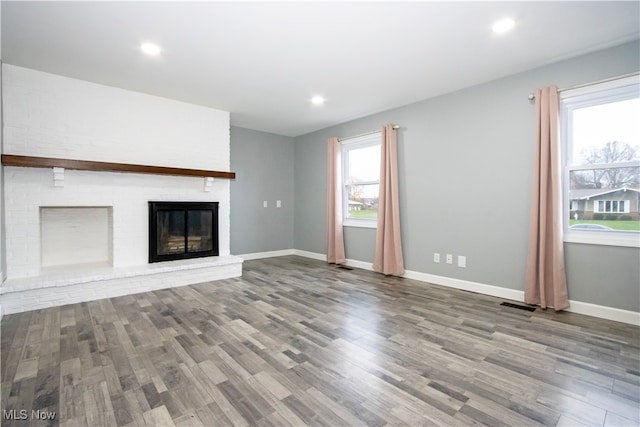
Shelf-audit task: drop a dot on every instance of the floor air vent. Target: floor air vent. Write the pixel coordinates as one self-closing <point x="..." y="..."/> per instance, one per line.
<point x="344" y="267"/>
<point x="521" y="307"/>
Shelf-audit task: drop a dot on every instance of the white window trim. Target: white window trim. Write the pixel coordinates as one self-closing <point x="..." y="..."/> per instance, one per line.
<point x="363" y="141"/>
<point x="606" y="238"/>
<point x="360" y="222"/>
<point x="609" y="238"/>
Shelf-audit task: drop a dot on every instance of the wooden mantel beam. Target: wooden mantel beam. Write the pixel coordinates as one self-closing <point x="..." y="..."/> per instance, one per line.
<point x="48" y="162"/>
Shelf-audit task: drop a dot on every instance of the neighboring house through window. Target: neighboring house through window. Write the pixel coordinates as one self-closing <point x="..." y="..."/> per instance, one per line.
<point x="601" y="151"/>
<point x="361" y="179"/>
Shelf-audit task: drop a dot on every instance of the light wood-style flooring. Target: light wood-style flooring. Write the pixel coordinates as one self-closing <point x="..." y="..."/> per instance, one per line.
<point x="299" y="342"/>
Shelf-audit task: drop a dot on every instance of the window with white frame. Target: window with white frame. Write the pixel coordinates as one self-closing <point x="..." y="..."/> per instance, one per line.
<point x="611" y="206"/>
<point x="361" y="180"/>
<point x="601" y="151"/>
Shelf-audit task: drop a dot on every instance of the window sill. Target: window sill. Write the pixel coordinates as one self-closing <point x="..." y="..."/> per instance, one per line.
<point x="606" y="238"/>
<point x="361" y="223"/>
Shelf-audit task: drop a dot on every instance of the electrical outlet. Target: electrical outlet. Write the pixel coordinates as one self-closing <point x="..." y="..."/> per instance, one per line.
<point x="436" y="257"/>
<point x="462" y="261"/>
<point x="278" y="203"/>
<point x="265" y="204"/>
<point x="449" y="259"/>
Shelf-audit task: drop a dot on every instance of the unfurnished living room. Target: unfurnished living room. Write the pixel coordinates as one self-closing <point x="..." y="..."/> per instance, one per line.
<point x="320" y="213"/>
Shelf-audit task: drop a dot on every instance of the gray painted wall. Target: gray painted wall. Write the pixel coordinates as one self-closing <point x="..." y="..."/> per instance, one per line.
<point x="465" y="162"/>
<point x="264" y="165"/>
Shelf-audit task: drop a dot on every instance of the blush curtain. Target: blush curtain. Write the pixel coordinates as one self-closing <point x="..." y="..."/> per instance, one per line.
<point x="388" y="254"/>
<point x="335" y="237"/>
<point x="546" y="282"/>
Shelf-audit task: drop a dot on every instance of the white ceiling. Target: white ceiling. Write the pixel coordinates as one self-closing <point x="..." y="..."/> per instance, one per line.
<point x="263" y="61"/>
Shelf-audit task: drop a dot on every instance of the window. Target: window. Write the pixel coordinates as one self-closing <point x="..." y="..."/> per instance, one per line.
<point x="601" y="151"/>
<point x="361" y="180"/>
<point x="611" y="206"/>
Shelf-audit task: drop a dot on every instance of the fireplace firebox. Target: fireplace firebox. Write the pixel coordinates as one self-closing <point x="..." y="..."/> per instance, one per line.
<point x="181" y="230"/>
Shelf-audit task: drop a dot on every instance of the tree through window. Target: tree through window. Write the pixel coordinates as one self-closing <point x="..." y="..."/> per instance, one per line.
<point x="601" y="145"/>
<point x="361" y="179"/>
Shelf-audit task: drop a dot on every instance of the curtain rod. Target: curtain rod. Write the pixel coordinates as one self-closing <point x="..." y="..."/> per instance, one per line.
<point x="365" y="134"/>
<point x="610" y="79"/>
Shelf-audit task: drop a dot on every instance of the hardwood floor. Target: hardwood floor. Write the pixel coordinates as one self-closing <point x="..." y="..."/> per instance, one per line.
<point x="298" y="342"/>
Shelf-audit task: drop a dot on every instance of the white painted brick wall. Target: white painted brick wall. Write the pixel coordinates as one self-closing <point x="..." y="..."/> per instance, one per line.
<point x="2" y="249"/>
<point x="27" y="189"/>
<point x="52" y="116"/>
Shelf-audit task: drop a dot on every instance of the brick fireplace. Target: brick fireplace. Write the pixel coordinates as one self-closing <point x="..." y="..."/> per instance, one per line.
<point x="77" y="235"/>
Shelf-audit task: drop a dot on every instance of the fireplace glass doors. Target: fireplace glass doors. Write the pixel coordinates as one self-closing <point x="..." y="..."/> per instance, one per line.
<point x="180" y="230"/>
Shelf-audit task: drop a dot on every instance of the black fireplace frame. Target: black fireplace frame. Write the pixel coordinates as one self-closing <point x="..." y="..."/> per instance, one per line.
<point x="159" y="206"/>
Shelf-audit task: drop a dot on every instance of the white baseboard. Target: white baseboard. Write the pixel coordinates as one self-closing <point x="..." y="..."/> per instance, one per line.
<point x="360" y="264"/>
<point x="601" y="311"/>
<point x="313" y="255"/>
<point x="270" y="254"/>
<point x="465" y="285"/>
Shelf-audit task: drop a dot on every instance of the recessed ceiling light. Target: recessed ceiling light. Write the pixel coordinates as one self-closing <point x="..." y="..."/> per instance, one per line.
<point x="503" y="25"/>
<point x="150" y="49"/>
<point x="317" y="100"/>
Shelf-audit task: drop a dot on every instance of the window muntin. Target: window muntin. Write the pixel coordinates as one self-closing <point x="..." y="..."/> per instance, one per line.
<point x="601" y="149"/>
<point x="361" y="180"/>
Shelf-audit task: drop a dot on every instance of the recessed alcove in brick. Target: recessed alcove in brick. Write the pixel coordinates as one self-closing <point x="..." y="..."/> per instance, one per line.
<point x="76" y="235"/>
